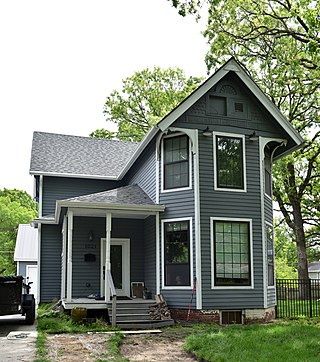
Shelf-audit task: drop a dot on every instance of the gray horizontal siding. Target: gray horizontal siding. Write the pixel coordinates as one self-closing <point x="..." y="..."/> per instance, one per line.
<point x="50" y="266"/>
<point x="86" y="275"/>
<point x="60" y="188"/>
<point x="271" y="297"/>
<point x="230" y="205"/>
<point x="149" y="253"/>
<point x="143" y="172"/>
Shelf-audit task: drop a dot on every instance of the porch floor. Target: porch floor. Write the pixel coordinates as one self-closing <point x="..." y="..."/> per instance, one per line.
<point x="100" y="304"/>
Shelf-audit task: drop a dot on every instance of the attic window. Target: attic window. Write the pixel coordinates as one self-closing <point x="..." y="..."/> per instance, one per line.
<point x="238" y="107"/>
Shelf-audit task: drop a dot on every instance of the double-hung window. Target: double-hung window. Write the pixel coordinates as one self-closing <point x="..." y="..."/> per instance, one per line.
<point x="270" y="254"/>
<point x="229" y="162"/>
<point x="176" y="162"/>
<point x="176" y="253"/>
<point x="231" y="253"/>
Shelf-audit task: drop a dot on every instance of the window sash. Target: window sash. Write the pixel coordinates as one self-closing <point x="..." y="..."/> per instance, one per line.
<point x="177" y="253"/>
<point x="231" y="253"/>
<point x="176" y="162"/>
<point x="229" y="162"/>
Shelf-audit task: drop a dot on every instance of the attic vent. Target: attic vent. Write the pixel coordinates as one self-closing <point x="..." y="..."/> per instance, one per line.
<point x="238" y="107"/>
<point x="231" y="317"/>
<point x="227" y="89"/>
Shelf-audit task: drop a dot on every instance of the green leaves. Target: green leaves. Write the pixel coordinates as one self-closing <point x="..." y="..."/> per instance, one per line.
<point x="145" y="98"/>
<point x="16" y="207"/>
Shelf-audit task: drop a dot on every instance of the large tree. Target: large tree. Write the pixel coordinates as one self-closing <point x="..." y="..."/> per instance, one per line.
<point x="278" y="41"/>
<point x="145" y="98"/>
<point x="16" y="207"/>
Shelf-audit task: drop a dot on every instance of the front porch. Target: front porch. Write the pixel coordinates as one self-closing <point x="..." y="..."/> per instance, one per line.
<point x="130" y="313"/>
<point x="104" y="235"/>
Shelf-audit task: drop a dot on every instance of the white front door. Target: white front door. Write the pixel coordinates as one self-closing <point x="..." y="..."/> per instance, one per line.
<point x="120" y="266"/>
<point x="32" y="276"/>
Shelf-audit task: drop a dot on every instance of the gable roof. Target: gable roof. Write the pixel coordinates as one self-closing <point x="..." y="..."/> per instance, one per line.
<point x="75" y="156"/>
<point x="26" y="244"/>
<point x="232" y="66"/>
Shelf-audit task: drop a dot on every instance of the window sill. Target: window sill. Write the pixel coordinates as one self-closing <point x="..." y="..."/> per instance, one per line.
<point x="268" y="196"/>
<point x="176" y="287"/>
<point x="176" y="190"/>
<point x="232" y="287"/>
<point x="230" y="190"/>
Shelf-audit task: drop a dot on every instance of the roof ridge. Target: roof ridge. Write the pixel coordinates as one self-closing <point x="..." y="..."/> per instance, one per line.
<point x="86" y="137"/>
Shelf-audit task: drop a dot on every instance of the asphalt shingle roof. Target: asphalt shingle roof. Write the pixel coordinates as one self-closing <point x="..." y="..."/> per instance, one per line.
<point x="127" y="195"/>
<point x="83" y="156"/>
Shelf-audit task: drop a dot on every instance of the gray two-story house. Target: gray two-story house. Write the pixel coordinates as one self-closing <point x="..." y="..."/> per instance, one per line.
<point x="187" y="212"/>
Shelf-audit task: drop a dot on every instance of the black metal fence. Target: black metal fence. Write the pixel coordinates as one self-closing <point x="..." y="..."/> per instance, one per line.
<point x="298" y="297"/>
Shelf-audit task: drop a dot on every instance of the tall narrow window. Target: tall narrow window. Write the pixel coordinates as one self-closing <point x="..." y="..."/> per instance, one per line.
<point x="177" y="253"/>
<point x="229" y="162"/>
<point x="270" y="255"/>
<point x="231" y="253"/>
<point x="176" y="162"/>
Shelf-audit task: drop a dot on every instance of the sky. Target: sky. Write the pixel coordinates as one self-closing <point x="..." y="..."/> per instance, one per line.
<point x="60" y="59"/>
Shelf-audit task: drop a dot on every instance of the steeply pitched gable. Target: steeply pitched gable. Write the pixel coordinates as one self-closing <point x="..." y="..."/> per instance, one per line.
<point x="232" y="66"/>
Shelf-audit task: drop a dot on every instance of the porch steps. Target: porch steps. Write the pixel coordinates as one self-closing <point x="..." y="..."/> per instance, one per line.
<point x="134" y="314"/>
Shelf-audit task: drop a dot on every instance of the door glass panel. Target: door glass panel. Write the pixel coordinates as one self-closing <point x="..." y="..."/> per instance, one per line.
<point x="116" y="265"/>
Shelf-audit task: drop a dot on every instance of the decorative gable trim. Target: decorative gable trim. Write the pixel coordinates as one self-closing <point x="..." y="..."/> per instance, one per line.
<point x="231" y="66"/>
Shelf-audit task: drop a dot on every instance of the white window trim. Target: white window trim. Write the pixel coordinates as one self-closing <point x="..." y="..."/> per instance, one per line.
<point x="232" y="135"/>
<point x="267" y="223"/>
<point x="175" y="287"/>
<point x="163" y="190"/>
<point x="227" y="219"/>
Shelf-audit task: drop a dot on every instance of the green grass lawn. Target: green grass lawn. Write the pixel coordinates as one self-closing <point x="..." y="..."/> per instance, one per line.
<point x="281" y="341"/>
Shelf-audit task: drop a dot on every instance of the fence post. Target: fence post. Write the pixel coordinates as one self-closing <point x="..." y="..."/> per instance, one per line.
<point x="310" y="296"/>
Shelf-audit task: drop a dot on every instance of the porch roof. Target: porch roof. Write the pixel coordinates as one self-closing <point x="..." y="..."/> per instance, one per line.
<point x="127" y="200"/>
<point x="127" y="195"/>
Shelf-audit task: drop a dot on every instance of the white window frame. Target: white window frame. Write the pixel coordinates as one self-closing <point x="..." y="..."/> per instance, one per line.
<point x="268" y="224"/>
<point x="175" y="287"/>
<point x="231" y="135"/>
<point x="227" y="219"/>
<point x="163" y="190"/>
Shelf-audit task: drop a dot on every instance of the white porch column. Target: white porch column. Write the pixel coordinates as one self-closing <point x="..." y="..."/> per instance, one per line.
<point x="64" y="258"/>
<point x="69" y="262"/>
<point x="157" y="253"/>
<point x="107" y="259"/>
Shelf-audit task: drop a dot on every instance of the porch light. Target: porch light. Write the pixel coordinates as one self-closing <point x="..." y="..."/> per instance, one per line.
<point x="253" y="136"/>
<point x="90" y="236"/>
<point x="207" y="132"/>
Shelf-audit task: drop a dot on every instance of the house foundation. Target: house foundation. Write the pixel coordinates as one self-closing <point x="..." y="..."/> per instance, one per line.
<point x="220" y="316"/>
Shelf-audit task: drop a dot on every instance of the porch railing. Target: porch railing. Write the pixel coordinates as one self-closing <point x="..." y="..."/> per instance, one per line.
<point x="113" y="295"/>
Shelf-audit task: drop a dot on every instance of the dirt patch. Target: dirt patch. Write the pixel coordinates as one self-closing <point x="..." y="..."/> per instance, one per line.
<point x="77" y="347"/>
<point x="166" y="346"/>
<point x="148" y="350"/>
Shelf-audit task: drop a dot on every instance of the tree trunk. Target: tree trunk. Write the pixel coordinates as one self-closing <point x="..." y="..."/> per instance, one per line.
<point x="301" y="252"/>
